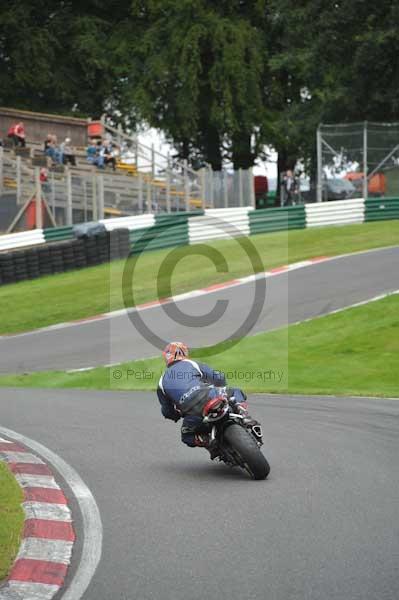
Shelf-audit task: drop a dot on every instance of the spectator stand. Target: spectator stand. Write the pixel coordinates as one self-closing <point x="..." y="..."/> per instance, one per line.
<point x="137" y="180"/>
<point x="80" y="192"/>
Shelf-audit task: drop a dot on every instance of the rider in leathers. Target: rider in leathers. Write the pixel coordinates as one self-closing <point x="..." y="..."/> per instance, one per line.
<point x="186" y="386"/>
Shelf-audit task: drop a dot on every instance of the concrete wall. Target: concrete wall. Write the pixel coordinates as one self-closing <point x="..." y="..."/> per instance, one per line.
<point x="38" y="125"/>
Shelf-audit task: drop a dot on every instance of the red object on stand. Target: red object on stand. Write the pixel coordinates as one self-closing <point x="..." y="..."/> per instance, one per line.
<point x="31" y="214"/>
<point x="261" y="185"/>
<point x="95" y="129"/>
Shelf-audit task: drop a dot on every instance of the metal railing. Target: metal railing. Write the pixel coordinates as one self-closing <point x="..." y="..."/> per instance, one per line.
<point x="152" y="184"/>
<point x="169" y="185"/>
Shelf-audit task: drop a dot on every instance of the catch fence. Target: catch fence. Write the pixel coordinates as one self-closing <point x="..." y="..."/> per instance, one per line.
<point x="357" y="160"/>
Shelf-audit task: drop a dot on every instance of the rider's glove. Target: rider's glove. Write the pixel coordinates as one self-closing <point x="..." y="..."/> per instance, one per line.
<point x="173" y="415"/>
<point x="241" y="408"/>
<point x="177" y="415"/>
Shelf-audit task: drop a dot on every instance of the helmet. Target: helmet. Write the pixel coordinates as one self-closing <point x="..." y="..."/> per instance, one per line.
<point x="175" y="351"/>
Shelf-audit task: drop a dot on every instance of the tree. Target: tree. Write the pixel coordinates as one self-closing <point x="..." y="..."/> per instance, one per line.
<point x="194" y="69"/>
<point x="330" y="62"/>
<point x="54" y="55"/>
<point x="221" y="79"/>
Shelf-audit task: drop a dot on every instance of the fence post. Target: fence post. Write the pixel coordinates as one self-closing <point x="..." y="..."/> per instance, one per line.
<point x="85" y="199"/>
<point x="153" y="188"/>
<point x="319" y="192"/>
<point x="152" y="161"/>
<point x="38" y="199"/>
<point x="53" y="195"/>
<point x="136" y="153"/>
<point x="100" y="197"/>
<point x="94" y="197"/>
<point x="186" y="190"/>
<point x="69" y="215"/>
<point x="18" y="179"/>
<point x="120" y="135"/>
<point x="225" y="189"/>
<point x="251" y="187"/>
<point x="168" y="184"/>
<point x="211" y="188"/>
<point x="1" y="168"/>
<point x="203" y="187"/>
<point x="240" y="190"/>
<point x="365" y="166"/>
<point x="149" y="196"/>
<point x="140" y="176"/>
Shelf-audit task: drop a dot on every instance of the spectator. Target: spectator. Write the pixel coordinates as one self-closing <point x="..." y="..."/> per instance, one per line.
<point x="43" y="176"/>
<point x="109" y="153"/>
<point x="290" y="189"/>
<point x="95" y="154"/>
<point x="52" y="150"/>
<point x="17" y="134"/>
<point x="67" y="152"/>
<point x="47" y="142"/>
<point x="128" y="157"/>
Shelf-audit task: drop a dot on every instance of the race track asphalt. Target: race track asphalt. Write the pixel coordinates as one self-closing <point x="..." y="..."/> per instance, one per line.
<point x="324" y="526"/>
<point x="290" y="297"/>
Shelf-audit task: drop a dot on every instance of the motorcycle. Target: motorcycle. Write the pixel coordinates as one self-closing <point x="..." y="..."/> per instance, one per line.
<point x="235" y="439"/>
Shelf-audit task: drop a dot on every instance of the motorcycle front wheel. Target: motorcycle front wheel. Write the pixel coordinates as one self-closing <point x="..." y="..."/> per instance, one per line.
<point x="249" y="455"/>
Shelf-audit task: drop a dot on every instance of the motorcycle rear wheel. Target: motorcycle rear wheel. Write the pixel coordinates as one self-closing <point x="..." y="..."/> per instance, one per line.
<point x="249" y="453"/>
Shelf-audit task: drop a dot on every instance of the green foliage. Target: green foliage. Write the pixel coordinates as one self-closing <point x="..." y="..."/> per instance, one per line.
<point x="353" y="352"/>
<point x="54" y="55"/>
<point x="331" y="62"/>
<point x="11" y="519"/>
<point x="195" y="70"/>
<point x="95" y="290"/>
<point x="221" y="79"/>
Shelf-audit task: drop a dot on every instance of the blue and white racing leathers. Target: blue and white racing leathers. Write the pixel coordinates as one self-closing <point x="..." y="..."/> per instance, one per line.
<point x="184" y="383"/>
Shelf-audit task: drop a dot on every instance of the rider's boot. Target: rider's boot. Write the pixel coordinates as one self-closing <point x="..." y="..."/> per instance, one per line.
<point x="202" y="440"/>
<point x="249" y="422"/>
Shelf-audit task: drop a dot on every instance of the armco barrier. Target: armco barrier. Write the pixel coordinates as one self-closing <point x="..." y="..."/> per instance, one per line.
<point x="277" y="219"/>
<point x="19" y="240"/>
<point x="153" y="232"/>
<point x="225" y="213"/>
<point x="133" y="222"/>
<point x="219" y="224"/>
<point x="177" y="217"/>
<point x="163" y="235"/>
<point x="58" y="234"/>
<point x="381" y="209"/>
<point x="339" y="212"/>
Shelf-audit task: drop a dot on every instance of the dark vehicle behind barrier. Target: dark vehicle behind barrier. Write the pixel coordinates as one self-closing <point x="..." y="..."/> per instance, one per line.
<point x="339" y="189"/>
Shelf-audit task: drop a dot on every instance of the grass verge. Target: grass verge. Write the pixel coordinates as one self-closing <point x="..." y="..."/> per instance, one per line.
<point x="354" y="352"/>
<point x="11" y="519"/>
<point x="91" y="291"/>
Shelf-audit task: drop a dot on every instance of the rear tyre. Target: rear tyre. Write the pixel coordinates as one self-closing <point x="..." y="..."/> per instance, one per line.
<point x="249" y="454"/>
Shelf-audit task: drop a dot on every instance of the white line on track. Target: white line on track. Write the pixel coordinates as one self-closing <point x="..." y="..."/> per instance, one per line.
<point x="191" y="294"/>
<point x="92" y="525"/>
<point x="331" y="312"/>
<point x="355" y="305"/>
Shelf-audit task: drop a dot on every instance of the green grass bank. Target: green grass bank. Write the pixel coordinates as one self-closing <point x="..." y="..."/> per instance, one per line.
<point x="11" y="519"/>
<point x="353" y="352"/>
<point x="32" y="304"/>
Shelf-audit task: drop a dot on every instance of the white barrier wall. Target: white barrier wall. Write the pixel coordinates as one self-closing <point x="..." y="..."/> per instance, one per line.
<point x="339" y="212"/>
<point x="134" y="222"/>
<point x="219" y="224"/>
<point x="19" y="240"/>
